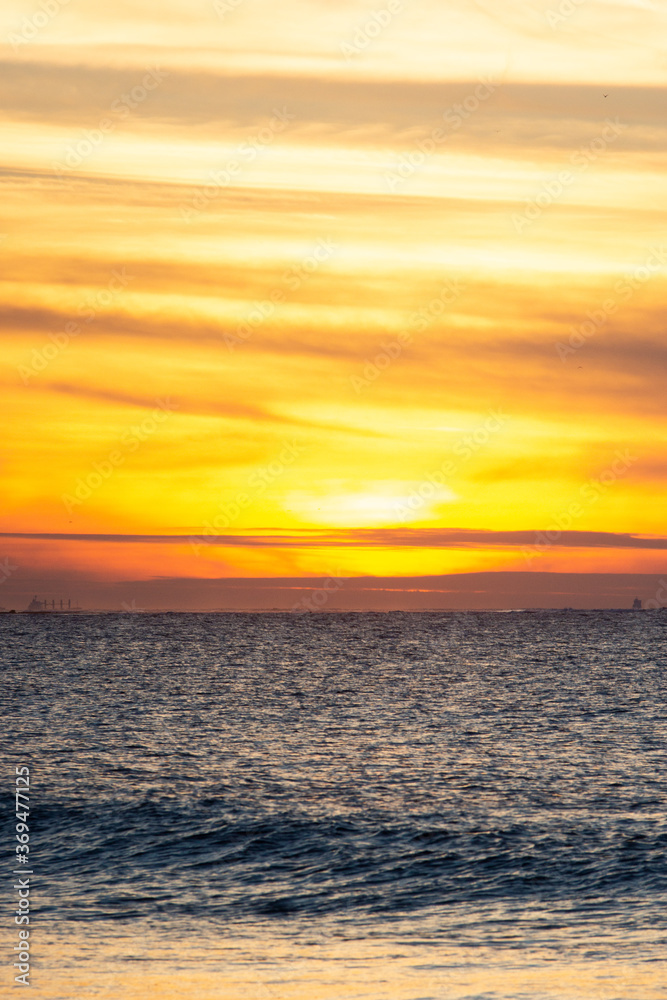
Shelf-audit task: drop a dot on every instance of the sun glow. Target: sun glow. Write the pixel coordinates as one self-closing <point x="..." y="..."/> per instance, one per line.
<point x="401" y="504"/>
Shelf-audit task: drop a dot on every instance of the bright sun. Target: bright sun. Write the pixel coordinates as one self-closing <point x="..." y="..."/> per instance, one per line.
<point x="398" y="503"/>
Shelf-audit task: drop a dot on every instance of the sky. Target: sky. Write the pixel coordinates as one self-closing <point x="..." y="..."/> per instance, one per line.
<point x="333" y="291"/>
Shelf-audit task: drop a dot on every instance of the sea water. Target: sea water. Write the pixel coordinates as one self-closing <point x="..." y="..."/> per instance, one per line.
<point x="400" y="806"/>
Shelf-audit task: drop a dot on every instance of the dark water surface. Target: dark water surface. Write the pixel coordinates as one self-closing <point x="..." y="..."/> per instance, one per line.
<point x="481" y="780"/>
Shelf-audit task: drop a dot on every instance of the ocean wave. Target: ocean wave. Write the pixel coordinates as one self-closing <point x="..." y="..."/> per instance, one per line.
<point x="202" y="860"/>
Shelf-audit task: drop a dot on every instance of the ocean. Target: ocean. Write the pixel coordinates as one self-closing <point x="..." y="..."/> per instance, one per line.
<point x="400" y="806"/>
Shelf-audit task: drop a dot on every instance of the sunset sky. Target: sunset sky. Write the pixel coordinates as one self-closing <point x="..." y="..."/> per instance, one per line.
<point x="331" y="290"/>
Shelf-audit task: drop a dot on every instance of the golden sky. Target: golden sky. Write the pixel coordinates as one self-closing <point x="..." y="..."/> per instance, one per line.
<point x="364" y="288"/>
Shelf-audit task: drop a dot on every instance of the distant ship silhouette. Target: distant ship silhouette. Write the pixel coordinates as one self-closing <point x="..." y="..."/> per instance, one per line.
<point x="36" y="605"/>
